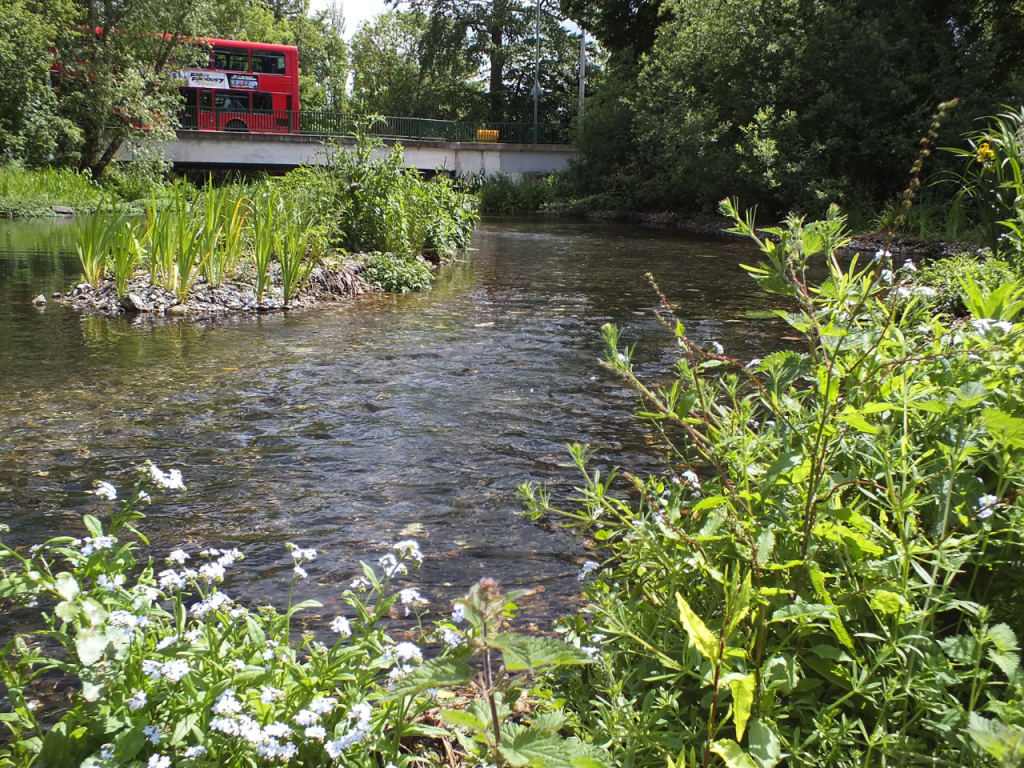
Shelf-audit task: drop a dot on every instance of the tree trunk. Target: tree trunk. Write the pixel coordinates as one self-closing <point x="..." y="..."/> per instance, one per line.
<point x="496" y="87"/>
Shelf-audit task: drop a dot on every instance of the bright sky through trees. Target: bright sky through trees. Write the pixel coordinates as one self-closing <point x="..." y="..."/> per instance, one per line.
<point x="356" y="12"/>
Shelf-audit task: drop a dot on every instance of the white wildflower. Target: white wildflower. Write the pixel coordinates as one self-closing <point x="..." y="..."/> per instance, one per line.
<point x="137" y="701"/>
<point x="154" y="733"/>
<point x="361" y="584"/>
<point x="269" y="695"/>
<point x="169" y="580"/>
<point x="237" y="664"/>
<point x="151" y="669"/>
<point x="882" y="254"/>
<point x="459" y="613"/>
<point x="229" y="557"/>
<point x="171" y="480"/>
<point x="143" y="496"/>
<point x="588" y="567"/>
<point x="225" y="725"/>
<point x="323" y="705"/>
<point x="301" y="555"/>
<point x="306" y="717"/>
<point x="753" y="363"/>
<point x="908" y="265"/>
<point x="392" y="566"/>
<point x="887" y="275"/>
<point x="227" y="704"/>
<point x="175" y="669"/>
<point x="986" y="506"/>
<point x="409" y="550"/>
<point x="159" y="761"/>
<point x="341" y="626"/>
<point x="719" y="349"/>
<point x="212" y="572"/>
<point x="691" y="479"/>
<point x="300" y="572"/>
<point x="411" y="597"/>
<point x="107" y="752"/>
<point x="197" y="751"/>
<point x="214" y="602"/>
<point x="105" y="490"/>
<point x="278" y="730"/>
<point x="178" y="556"/>
<point x="105" y="582"/>
<point x="317" y="732"/>
<point x="408" y="652"/>
<point x="451" y="637"/>
<point x="591" y="651"/>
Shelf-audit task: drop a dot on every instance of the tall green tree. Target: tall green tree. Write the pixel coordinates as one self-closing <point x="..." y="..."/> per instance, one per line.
<point x="117" y="61"/>
<point x="394" y="73"/>
<point x="30" y="129"/>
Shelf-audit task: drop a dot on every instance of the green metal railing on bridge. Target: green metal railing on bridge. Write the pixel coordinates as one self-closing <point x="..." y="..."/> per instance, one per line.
<point x="312" y="123"/>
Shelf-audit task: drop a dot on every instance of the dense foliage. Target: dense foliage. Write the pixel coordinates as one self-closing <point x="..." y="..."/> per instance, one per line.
<point x="830" y="570"/>
<point x="794" y="105"/>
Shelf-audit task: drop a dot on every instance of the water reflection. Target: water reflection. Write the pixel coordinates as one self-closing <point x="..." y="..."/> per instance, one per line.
<point x="354" y="425"/>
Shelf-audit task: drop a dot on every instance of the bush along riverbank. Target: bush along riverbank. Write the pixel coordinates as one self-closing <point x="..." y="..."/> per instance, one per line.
<point x="316" y="234"/>
<point x="830" y="573"/>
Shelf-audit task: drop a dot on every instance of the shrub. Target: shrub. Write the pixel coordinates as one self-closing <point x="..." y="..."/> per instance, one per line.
<point x="391" y="272"/>
<point x="829" y="572"/>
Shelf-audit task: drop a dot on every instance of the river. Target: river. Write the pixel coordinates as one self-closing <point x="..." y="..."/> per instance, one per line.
<point x="351" y="426"/>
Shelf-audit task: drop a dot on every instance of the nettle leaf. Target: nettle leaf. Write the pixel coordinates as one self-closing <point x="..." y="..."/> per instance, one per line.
<point x="1004" y="743"/>
<point x="522" y="746"/>
<point x="1007" y="661"/>
<point x="435" y="673"/>
<point x="800" y="610"/>
<point x="700" y="636"/>
<point x="1003" y="637"/>
<point x="1007" y="429"/>
<point x="523" y="652"/>
<point x="961" y="648"/>
<point x="733" y="754"/>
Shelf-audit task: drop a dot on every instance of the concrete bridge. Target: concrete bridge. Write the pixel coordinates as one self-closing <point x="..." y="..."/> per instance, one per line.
<point x="278" y="153"/>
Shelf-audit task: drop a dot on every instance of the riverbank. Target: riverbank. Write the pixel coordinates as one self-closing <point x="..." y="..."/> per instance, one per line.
<point x="204" y="300"/>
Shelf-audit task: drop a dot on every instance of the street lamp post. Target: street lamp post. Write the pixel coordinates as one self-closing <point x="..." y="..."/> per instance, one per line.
<point x="536" y="90"/>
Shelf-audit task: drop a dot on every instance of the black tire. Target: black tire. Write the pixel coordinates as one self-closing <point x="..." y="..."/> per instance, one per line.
<point x="236" y="125"/>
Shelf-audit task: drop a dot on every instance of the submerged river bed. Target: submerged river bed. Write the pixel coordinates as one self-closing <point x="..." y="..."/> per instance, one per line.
<point x="357" y="424"/>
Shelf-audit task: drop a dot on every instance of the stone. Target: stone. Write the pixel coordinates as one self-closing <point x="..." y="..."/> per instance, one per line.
<point x="178" y="310"/>
<point x="132" y="302"/>
<point x="39" y="300"/>
<point x="56" y="294"/>
<point x="62" y="210"/>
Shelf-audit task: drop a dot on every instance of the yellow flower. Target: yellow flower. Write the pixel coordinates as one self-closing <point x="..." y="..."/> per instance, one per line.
<point x="985" y="152"/>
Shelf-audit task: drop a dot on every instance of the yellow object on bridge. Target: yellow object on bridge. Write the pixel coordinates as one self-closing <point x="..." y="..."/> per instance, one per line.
<point x="490" y="137"/>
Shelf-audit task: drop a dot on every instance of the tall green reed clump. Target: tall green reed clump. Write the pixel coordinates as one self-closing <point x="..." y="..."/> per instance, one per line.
<point x="224" y="213"/>
<point x="95" y="240"/>
<point x="125" y="255"/>
<point x="830" y="570"/>
<point x="299" y="255"/>
<point x="160" y="245"/>
<point x="166" y="668"/>
<point x="267" y="216"/>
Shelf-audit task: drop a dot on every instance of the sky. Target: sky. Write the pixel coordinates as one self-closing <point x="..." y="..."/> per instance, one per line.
<point x="356" y="11"/>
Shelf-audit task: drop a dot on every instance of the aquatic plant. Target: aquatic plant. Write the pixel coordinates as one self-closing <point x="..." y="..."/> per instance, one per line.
<point x="193" y="245"/>
<point x="267" y="214"/>
<point x="234" y="213"/>
<point x="94" y="242"/>
<point x="299" y="255"/>
<point x="125" y="255"/>
<point x="828" y="571"/>
<point x="166" y="667"/>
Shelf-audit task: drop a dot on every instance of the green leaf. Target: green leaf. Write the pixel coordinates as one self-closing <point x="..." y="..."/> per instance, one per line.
<point x="94" y="525"/>
<point x="67" y="586"/>
<point x="539" y="749"/>
<point x="130" y="743"/>
<point x="436" y="673"/>
<point x="91" y="645"/>
<point x="763" y="744"/>
<point x="818" y="580"/>
<point x="852" y="417"/>
<point x="525" y="652"/>
<point x="884" y="602"/>
<point x="733" y="754"/>
<point x="742" y="697"/>
<point x="462" y="719"/>
<point x="67" y="611"/>
<point x="700" y="636"/>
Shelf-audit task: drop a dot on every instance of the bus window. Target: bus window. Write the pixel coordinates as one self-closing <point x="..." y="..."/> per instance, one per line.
<point x="206" y="100"/>
<point x="231" y="61"/>
<point x="267" y="63"/>
<point x="264" y="101"/>
<point x="232" y="101"/>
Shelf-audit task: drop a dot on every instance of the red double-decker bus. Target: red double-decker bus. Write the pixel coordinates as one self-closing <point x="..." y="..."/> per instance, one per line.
<point x="247" y="87"/>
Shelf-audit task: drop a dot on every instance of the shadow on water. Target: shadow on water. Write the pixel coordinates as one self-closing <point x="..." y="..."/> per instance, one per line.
<point x="363" y="422"/>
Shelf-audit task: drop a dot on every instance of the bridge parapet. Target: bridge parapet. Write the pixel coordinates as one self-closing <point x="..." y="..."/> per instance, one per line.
<point x="277" y="153"/>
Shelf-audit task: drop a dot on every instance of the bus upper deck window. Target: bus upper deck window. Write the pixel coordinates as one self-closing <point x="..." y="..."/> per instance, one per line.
<point x="267" y="63"/>
<point x="231" y="61"/>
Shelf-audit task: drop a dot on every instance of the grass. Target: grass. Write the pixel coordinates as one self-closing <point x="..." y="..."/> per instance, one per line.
<point x="26" y="192"/>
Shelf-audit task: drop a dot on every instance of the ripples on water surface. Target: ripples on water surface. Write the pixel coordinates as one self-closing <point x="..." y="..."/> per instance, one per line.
<point x="360" y="423"/>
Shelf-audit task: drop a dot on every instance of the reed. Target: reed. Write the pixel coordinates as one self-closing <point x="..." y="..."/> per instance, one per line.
<point x="234" y="214"/>
<point x="193" y="248"/>
<point x="267" y="211"/>
<point x="94" y="243"/>
<point x="212" y="205"/>
<point x="300" y="253"/>
<point x="126" y="252"/>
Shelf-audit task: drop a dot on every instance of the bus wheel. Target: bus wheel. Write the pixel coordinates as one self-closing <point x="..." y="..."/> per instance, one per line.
<point x="236" y="125"/>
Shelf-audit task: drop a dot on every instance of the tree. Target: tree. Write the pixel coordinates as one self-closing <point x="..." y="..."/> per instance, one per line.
<point x="394" y="75"/>
<point x="620" y="25"/>
<point x="115" y="83"/>
<point x="30" y="129"/>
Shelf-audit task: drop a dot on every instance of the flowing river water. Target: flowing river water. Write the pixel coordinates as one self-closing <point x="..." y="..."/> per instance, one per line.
<point x="360" y="423"/>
